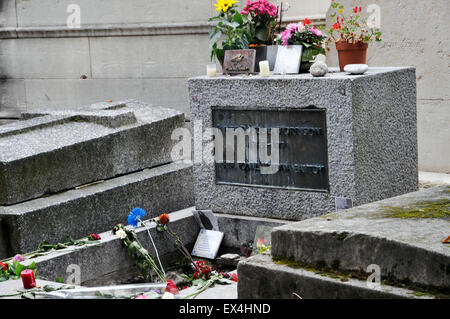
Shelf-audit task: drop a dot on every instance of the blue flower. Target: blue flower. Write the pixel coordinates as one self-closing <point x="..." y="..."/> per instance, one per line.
<point x="135" y="215"/>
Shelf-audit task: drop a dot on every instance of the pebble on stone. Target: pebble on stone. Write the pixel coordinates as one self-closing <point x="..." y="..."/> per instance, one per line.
<point x="318" y="69"/>
<point x="356" y="68"/>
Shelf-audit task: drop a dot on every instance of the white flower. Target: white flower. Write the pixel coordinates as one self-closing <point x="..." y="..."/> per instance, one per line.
<point x="301" y="27"/>
<point x="168" y="295"/>
<point x="121" y="234"/>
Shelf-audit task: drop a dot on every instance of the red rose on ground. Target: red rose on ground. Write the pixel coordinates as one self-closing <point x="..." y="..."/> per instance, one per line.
<point x="164" y="219"/>
<point x="94" y="236"/>
<point x="3" y="266"/>
<point x="171" y="287"/>
<point x="234" y="277"/>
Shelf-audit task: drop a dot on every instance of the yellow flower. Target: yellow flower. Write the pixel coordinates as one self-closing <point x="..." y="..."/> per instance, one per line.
<point x="341" y="11"/>
<point x="224" y="5"/>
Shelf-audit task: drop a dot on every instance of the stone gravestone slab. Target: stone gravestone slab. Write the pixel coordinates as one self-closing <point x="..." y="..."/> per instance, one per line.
<point x="291" y="146"/>
<point x="52" y="151"/>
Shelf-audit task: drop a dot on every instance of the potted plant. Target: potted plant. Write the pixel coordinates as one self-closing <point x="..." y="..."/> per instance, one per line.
<point x="352" y="35"/>
<point x="262" y="16"/>
<point x="233" y="26"/>
<point x="305" y="36"/>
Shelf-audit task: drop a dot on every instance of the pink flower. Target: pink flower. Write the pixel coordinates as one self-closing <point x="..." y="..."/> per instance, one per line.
<point x="260" y="7"/>
<point x="141" y="297"/>
<point x="287" y="34"/>
<point x="18" y="258"/>
<point x="316" y="32"/>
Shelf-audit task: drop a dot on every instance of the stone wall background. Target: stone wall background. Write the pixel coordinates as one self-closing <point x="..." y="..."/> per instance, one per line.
<point x="142" y="49"/>
<point x="146" y="49"/>
<point x="417" y="33"/>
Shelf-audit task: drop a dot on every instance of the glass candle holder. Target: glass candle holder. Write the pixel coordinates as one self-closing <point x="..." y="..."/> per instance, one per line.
<point x="211" y="69"/>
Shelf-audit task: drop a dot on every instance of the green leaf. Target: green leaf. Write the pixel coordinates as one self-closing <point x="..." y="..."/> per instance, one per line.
<point x="48" y="288"/>
<point x="308" y="55"/>
<point x="233" y="24"/>
<point x="32" y="265"/>
<point x="60" y="280"/>
<point x="238" y="18"/>
<point x="261" y="34"/>
<point x="214" y="36"/>
<point x="19" y="269"/>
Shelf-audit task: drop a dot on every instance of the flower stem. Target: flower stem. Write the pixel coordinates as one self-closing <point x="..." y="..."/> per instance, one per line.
<point x="156" y="250"/>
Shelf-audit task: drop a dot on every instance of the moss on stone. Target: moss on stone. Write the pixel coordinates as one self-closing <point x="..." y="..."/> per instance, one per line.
<point x="426" y="209"/>
<point x="344" y="276"/>
<point x="321" y="268"/>
<point x="342" y="236"/>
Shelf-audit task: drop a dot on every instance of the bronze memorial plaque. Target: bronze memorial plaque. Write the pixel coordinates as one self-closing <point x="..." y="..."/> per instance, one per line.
<point x="239" y="61"/>
<point x="301" y="137"/>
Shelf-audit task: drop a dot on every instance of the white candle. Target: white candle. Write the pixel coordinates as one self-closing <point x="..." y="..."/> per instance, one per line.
<point x="211" y="69"/>
<point x="264" y="69"/>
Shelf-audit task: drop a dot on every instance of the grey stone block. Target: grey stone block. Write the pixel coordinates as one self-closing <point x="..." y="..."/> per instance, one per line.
<point x="95" y="208"/>
<point x="63" y="149"/>
<point x="261" y="278"/>
<point x="11" y="287"/>
<point x="404" y="248"/>
<point x="242" y="229"/>
<point x="97" y="262"/>
<point x="371" y="138"/>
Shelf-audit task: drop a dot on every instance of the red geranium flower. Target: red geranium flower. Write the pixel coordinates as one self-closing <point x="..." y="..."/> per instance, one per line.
<point x="171" y="287"/>
<point x="234" y="277"/>
<point x="3" y="266"/>
<point x="355" y="9"/>
<point x="360" y="9"/>
<point x="306" y="21"/>
<point x="337" y="26"/>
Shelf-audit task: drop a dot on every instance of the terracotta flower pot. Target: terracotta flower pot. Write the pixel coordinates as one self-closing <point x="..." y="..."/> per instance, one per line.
<point x="350" y="53"/>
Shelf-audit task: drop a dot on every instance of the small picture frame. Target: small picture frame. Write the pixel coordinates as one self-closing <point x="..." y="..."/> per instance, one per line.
<point x="288" y="59"/>
<point x="239" y="62"/>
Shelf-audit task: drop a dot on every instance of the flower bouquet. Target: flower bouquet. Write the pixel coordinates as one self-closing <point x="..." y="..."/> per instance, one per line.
<point x="306" y="36"/>
<point x="351" y="35"/>
<point x="262" y="21"/>
<point x="232" y="25"/>
<point x="205" y="277"/>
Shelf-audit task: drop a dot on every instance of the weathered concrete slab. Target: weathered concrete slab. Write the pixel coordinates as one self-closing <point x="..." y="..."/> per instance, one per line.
<point x="109" y="256"/>
<point x="95" y="208"/>
<point x="59" y="150"/>
<point x="261" y="278"/>
<point x="10" y="288"/>
<point x="106" y="262"/>
<point x="242" y="229"/>
<point x="371" y="138"/>
<point x="385" y="233"/>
